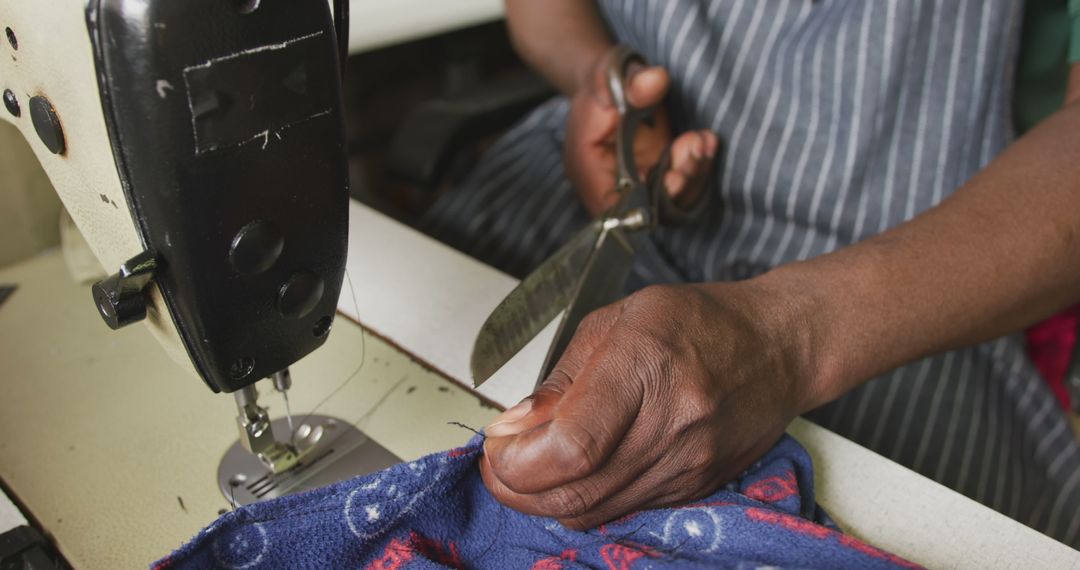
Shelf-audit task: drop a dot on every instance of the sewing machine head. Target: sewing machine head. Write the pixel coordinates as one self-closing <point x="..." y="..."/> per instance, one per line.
<point x="199" y="146"/>
<point x="225" y="124"/>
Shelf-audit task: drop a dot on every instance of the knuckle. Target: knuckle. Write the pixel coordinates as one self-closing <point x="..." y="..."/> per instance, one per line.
<point x="655" y="295"/>
<point x="699" y="464"/>
<point x="503" y="495"/>
<point x="570" y="501"/>
<point x="596" y="319"/>
<point x="699" y="402"/>
<point x="578" y="453"/>
<point x="556" y="383"/>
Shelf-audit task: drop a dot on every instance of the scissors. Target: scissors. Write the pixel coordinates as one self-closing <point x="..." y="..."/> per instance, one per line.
<point x="590" y="270"/>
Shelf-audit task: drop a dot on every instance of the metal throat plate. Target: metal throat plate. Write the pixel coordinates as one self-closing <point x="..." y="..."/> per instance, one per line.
<point x="340" y="452"/>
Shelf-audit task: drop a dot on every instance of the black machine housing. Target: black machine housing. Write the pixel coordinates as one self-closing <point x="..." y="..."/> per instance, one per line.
<point x="225" y="119"/>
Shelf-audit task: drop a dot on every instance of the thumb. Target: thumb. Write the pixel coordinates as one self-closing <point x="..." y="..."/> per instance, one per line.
<point x="581" y="429"/>
<point x="537" y="408"/>
<point x="648" y="85"/>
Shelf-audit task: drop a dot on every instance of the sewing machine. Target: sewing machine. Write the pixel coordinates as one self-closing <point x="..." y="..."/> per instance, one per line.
<point x="199" y="147"/>
<point x="110" y="447"/>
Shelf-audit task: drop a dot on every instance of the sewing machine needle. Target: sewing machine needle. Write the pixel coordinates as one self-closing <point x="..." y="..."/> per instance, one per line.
<point x="282" y="382"/>
<point x="288" y="415"/>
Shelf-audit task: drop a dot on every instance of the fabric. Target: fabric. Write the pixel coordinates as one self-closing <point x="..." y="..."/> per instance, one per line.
<point x="1042" y="70"/>
<point x="841" y="119"/>
<point x="436" y="513"/>
<point x="1074" y="31"/>
<point x="1050" y="345"/>
<point x="1050" y="28"/>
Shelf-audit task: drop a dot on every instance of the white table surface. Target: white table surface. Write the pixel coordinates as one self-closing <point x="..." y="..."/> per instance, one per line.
<point x="114" y="449"/>
<point x="431" y="301"/>
<point x="379" y="23"/>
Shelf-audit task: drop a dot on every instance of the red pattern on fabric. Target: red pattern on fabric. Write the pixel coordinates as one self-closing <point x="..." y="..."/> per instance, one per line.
<point x="458" y="452"/>
<point x="773" y="489"/>
<point x="622" y="556"/>
<point x="397" y="553"/>
<point x="162" y="564"/>
<point x="556" y="562"/>
<point x="434" y="550"/>
<point x="790" y="522"/>
<point x="856" y="544"/>
<point x="805" y="527"/>
<point x="1050" y="347"/>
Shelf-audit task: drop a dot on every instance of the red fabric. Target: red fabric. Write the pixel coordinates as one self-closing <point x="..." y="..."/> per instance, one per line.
<point x="1050" y="346"/>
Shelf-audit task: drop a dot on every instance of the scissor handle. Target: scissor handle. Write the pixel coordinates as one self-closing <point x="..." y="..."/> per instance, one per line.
<point x="628" y="182"/>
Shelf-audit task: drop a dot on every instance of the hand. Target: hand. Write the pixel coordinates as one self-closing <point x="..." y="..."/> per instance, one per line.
<point x="1072" y="91"/>
<point x="589" y="150"/>
<point x="660" y="399"/>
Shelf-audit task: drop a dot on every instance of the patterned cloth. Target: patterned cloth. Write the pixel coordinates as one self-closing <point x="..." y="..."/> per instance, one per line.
<point x="840" y="119"/>
<point x="436" y="513"/>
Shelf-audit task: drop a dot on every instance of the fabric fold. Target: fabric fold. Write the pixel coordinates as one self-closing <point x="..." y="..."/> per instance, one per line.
<point x="436" y="513"/>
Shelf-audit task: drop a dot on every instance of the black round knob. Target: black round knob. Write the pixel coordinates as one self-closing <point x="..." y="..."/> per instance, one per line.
<point x="256" y="247"/>
<point x="47" y="124"/>
<point x="299" y="295"/>
<point x="118" y="310"/>
<point x="12" y="103"/>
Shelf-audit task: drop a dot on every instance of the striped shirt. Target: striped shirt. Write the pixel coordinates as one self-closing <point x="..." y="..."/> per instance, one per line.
<point x="839" y="119"/>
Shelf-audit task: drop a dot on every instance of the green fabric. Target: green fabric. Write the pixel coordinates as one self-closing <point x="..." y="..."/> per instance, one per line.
<point x="1074" y="31"/>
<point x="1046" y="48"/>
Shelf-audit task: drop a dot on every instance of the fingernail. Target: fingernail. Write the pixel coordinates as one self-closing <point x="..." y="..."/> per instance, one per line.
<point x="695" y="149"/>
<point x="710" y="147"/>
<point x="502" y="424"/>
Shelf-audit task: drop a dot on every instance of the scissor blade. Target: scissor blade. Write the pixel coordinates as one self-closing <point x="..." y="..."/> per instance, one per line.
<point x="532" y="304"/>
<point x="603" y="283"/>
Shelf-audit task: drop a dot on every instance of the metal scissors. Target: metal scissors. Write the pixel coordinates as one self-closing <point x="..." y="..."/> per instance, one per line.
<point x="589" y="271"/>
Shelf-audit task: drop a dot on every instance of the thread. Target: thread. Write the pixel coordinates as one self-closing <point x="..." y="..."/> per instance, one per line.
<point x="363" y="353"/>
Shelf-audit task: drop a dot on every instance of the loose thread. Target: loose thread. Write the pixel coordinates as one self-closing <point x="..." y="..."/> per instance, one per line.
<point x="461" y="425"/>
<point x="363" y="353"/>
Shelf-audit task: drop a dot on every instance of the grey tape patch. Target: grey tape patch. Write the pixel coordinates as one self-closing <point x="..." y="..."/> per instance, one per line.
<point x="254" y="95"/>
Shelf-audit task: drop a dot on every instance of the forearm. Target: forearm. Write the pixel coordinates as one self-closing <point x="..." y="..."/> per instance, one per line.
<point x="1000" y="254"/>
<point x="559" y="38"/>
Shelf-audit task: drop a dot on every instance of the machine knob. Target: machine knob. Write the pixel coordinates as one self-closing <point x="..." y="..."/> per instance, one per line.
<point x="121" y="297"/>
<point x="256" y="247"/>
<point x="47" y="124"/>
<point x="118" y="310"/>
<point x="300" y="294"/>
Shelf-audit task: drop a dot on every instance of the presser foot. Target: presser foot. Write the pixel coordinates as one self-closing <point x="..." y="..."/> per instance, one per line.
<point x="324" y="450"/>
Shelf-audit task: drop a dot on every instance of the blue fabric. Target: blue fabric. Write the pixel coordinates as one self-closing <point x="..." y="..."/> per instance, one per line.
<point x="436" y="513"/>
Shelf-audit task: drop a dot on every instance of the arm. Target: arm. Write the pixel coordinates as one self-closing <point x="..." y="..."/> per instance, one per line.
<point x="662" y="397"/>
<point x="567" y="43"/>
<point x="561" y="39"/>
<point x="999" y="254"/>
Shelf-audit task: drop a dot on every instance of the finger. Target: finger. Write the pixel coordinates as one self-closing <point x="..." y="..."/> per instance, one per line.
<point x="587" y="425"/>
<point x="692" y="153"/>
<point x="642" y="493"/>
<point x="647" y="85"/>
<point x="691" y="161"/>
<point x="577" y="498"/>
<point x="588" y="155"/>
<point x="537" y="408"/>
<point x="679" y="475"/>
<point x="711" y="144"/>
<point x="636" y="454"/>
<point x="674" y="183"/>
